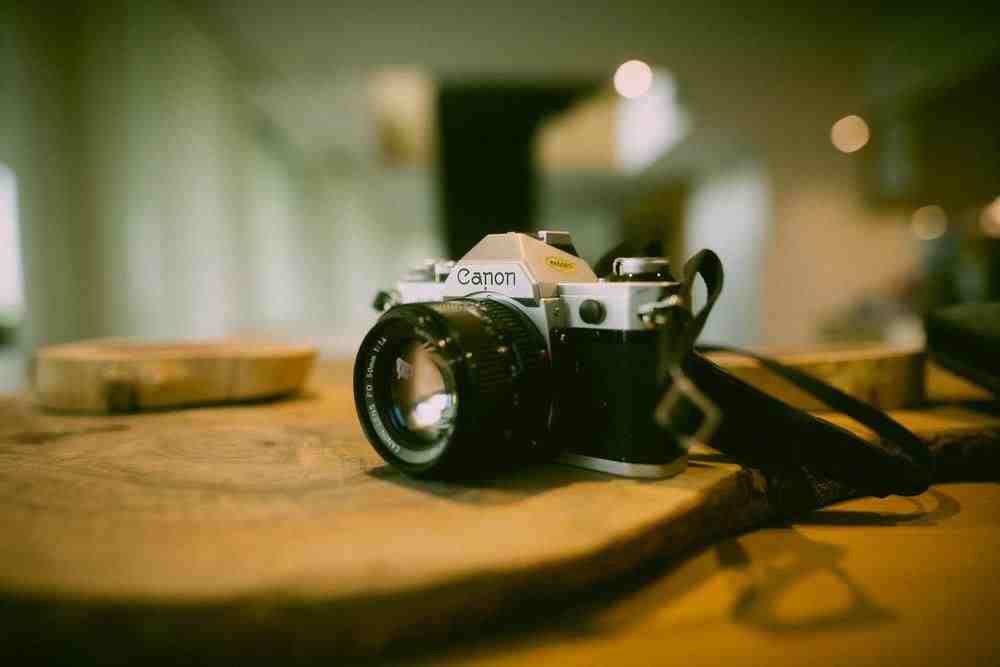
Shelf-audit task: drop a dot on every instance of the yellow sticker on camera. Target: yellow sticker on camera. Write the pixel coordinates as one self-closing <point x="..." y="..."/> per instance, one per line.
<point x="560" y="264"/>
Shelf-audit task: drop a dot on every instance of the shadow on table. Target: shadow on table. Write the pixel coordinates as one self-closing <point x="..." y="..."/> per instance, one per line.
<point x="759" y="596"/>
<point x="499" y="489"/>
<point x="779" y="560"/>
<point x="782" y="558"/>
<point x="790" y="557"/>
<point x="762" y="595"/>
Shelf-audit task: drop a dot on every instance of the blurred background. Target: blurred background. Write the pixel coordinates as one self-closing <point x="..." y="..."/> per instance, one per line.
<point x="182" y="169"/>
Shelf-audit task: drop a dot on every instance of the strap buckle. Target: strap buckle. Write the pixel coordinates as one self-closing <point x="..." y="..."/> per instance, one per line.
<point x="668" y="412"/>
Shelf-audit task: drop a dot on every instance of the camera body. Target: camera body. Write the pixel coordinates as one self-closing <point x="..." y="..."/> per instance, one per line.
<point x="582" y="369"/>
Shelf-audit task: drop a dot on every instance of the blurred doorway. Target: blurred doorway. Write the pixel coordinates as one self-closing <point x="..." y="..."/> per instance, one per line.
<point x="487" y="170"/>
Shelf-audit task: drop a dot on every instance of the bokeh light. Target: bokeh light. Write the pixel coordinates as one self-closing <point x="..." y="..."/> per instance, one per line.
<point x="850" y="134"/>
<point x="929" y="222"/>
<point x="989" y="220"/>
<point x="633" y="79"/>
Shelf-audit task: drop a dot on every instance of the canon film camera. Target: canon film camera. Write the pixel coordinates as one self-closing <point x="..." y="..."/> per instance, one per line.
<point x="519" y="352"/>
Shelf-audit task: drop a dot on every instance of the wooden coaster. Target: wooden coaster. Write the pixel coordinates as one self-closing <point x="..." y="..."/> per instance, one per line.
<point x="122" y="375"/>
<point x="889" y="379"/>
<point x="886" y="378"/>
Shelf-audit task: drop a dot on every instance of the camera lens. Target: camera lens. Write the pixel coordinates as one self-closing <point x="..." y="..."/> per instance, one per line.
<point x="458" y="387"/>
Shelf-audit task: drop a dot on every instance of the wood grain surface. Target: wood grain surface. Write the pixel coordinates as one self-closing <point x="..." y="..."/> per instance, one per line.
<point x="126" y="375"/>
<point x="274" y="530"/>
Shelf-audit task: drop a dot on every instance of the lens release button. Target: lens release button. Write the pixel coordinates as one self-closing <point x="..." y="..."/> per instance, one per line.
<point x="592" y="312"/>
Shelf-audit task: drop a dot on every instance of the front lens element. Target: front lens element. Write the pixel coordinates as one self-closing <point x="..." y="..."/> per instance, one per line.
<point x="424" y="402"/>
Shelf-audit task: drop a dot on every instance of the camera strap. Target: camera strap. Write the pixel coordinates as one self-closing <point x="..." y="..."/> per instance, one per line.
<point x="762" y="431"/>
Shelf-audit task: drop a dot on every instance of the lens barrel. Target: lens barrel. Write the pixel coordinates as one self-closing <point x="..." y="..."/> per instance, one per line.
<point x="454" y="388"/>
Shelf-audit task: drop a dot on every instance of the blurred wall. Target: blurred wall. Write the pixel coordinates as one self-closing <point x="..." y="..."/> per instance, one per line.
<point x="833" y="241"/>
<point x="380" y="222"/>
<point x="790" y="215"/>
<point x="321" y="244"/>
<point x="730" y="213"/>
<point x="158" y="200"/>
<point x="588" y="205"/>
<point x="38" y="142"/>
<point x="829" y="245"/>
<point x="124" y="128"/>
<point x="163" y="134"/>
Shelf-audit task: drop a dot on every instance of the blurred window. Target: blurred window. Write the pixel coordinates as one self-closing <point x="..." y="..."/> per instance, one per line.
<point x="11" y="291"/>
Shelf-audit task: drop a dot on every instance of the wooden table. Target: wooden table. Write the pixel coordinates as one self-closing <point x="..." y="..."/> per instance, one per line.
<point x="902" y="582"/>
<point x="273" y="531"/>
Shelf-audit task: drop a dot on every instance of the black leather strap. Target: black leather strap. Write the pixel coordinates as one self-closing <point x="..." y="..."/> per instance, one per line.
<point x="708" y="266"/>
<point x="761" y="430"/>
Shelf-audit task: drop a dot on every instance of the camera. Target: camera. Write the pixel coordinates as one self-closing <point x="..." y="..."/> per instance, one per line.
<point x="518" y="352"/>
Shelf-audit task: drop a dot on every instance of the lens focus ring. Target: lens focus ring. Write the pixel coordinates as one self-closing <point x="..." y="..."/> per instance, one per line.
<point x="523" y="354"/>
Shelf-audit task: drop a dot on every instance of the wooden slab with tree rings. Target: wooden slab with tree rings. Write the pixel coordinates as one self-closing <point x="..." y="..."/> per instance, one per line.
<point x="123" y="375"/>
<point x="274" y="531"/>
